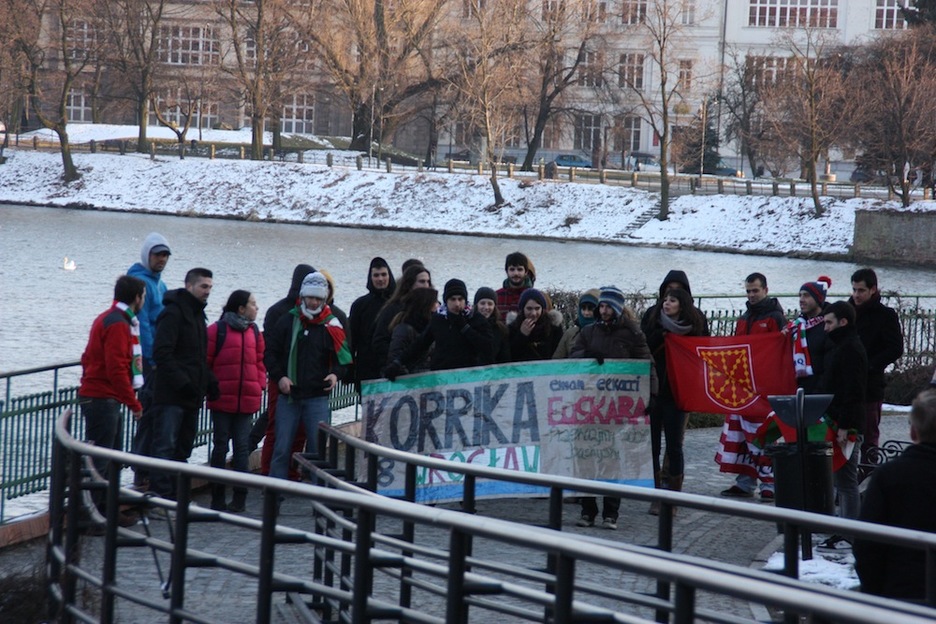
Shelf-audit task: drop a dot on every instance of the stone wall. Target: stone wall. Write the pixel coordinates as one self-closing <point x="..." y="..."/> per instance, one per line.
<point x="895" y="236"/>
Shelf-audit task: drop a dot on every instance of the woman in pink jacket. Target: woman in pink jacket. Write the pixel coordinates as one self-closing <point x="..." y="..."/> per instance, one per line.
<point x="235" y="355"/>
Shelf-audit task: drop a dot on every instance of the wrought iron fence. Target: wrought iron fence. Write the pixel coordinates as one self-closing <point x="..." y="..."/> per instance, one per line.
<point x="354" y="542"/>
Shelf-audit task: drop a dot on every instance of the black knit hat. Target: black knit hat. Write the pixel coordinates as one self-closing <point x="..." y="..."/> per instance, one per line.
<point x="454" y="287"/>
<point x="485" y="293"/>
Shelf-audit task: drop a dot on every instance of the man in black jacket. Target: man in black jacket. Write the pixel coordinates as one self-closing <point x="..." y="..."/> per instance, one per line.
<point x="182" y="374"/>
<point x="364" y="311"/>
<point x="902" y="493"/>
<point x="845" y="378"/>
<point x="879" y="329"/>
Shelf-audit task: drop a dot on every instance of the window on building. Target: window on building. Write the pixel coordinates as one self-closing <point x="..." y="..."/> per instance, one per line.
<point x="589" y="70"/>
<point x="767" y="70"/>
<point x="594" y="11"/>
<point x="887" y="15"/>
<point x="634" y="11"/>
<point x="80" y="39"/>
<point x="299" y="114"/>
<point x="587" y="132"/>
<point x="78" y="106"/>
<point x="189" y="45"/>
<point x="626" y="133"/>
<point x="631" y="71"/>
<point x="553" y="10"/>
<point x="208" y="114"/>
<point x="687" y="12"/>
<point x="684" y="78"/>
<point x="250" y="48"/>
<point x="552" y="133"/>
<point x="793" y="13"/>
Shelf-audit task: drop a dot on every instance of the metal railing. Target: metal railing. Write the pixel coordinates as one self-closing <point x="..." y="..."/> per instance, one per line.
<point x="352" y="544"/>
<point x="26" y="422"/>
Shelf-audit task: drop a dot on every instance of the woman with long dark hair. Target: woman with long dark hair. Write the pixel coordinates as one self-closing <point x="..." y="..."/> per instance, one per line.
<point x="535" y="330"/>
<point x="235" y="354"/>
<point x="677" y="315"/>
<point x="409" y="323"/>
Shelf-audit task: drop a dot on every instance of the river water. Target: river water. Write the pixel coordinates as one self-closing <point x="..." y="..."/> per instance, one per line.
<point x="47" y="311"/>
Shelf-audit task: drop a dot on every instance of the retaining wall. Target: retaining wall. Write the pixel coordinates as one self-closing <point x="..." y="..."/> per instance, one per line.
<point x="895" y="236"/>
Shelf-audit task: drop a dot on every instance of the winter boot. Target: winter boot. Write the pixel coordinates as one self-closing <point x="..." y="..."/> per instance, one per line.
<point x="239" y="502"/>
<point x="657" y="484"/>
<point x="217" y="497"/>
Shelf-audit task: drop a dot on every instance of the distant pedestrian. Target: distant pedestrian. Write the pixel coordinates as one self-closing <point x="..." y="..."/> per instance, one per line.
<point x="111" y="373"/>
<point x="235" y="355"/>
<point x="182" y="375"/>
<point x="307" y="353"/>
<point x="154" y="256"/>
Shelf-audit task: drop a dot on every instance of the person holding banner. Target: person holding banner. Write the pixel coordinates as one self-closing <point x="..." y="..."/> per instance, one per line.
<point x="485" y="305"/>
<point x="414" y="276"/>
<point x="587" y="306"/>
<point x="535" y="330"/>
<point x="409" y="324"/>
<point x="614" y="334"/>
<point x="677" y="315"/>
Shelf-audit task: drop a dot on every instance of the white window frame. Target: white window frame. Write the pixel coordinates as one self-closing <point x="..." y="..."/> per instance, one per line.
<point x="631" y="71"/>
<point x="78" y="106"/>
<point x="633" y="12"/>
<point x="587" y="126"/>
<point x="888" y="16"/>
<point x="299" y="114"/>
<point x="793" y="13"/>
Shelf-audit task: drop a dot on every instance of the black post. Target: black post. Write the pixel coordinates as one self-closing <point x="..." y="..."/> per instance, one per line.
<point x="179" y="547"/>
<point x="456" y="611"/>
<point x="267" y="550"/>
<point x="565" y="589"/>
<point x="363" y="568"/>
<point x="109" y="572"/>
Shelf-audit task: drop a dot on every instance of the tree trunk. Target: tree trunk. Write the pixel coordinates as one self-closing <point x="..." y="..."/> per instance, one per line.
<point x="143" y="117"/>
<point x="256" y="138"/>
<point x="814" y="187"/>
<point x="498" y="198"/>
<point x="70" y="171"/>
<point x="542" y="118"/>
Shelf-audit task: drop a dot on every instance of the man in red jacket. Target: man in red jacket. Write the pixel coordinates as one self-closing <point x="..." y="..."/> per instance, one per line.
<point x="112" y="371"/>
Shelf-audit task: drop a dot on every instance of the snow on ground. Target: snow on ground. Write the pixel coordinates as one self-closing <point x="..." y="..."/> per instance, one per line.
<point x="435" y="201"/>
<point x="835" y="570"/>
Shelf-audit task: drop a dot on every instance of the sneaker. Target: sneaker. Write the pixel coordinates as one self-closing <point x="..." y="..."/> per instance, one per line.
<point x="835" y="544"/>
<point x="610" y="524"/>
<point x="128" y="518"/>
<point x="767" y="495"/>
<point x="735" y="492"/>
<point x="585" y="521"/>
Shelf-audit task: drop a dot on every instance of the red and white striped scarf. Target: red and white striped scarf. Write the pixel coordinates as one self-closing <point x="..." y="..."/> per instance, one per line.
<point x="136" y="362"/>
<point x="797" y="328"/>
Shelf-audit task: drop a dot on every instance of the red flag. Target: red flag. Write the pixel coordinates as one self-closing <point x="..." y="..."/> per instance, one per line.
<point x="729" y="375"/>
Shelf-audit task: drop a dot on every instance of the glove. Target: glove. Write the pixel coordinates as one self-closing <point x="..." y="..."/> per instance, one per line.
<point x="214" y="390"/>
<point x="393" y="370"/>
<point x="598" y="357"/>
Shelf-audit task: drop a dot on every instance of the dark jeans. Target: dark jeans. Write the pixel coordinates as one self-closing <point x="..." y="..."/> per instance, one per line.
<point x="234" y="428"/>
<point x="872" y="425"/>
<point x="104" y="427"/>
<point x="143" y="437"/>
<point x="667" y="420"/>
<point x="174" y="430"/>
<point x="611" y="506"/>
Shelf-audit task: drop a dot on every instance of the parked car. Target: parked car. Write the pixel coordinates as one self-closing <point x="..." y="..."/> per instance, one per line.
<point x="642" y="161"/>
<point x="572" y="160"/>
<point x="464" y="155"/>
<point x="864" y="175"/>
<point x="721" y="168"/>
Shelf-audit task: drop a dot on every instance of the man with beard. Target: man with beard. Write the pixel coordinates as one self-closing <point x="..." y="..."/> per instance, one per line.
<point x="737" y="452"/>
<point x="879" y="329"/>
<point x="364" y="311"/>
<point x="520" y="276"/>
<point x="808" y="334"/>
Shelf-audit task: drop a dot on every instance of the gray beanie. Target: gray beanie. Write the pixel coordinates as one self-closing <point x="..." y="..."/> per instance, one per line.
<point x="314" y="285"/>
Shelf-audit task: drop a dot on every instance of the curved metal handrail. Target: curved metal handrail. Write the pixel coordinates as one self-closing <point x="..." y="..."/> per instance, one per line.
<point x="686" y="575"/>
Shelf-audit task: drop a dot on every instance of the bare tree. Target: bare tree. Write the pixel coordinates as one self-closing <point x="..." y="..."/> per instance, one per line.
<point x="57" y="41"/>
<point x="659" y="28"/>
<point x="265" y="47"/>
<point x="741" y="102"/>
<point x="490" y="60"/>
<point x="12" y="89"/>
<point x="808" y="105"/>
<point x="134" y="30"/>
<point x="893" y="122"/>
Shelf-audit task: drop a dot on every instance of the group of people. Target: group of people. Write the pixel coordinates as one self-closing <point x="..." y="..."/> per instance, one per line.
<point x="154" y="352"/>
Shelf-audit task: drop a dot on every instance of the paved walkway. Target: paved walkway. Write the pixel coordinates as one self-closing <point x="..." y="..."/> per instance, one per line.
<point x="232" y="598"/>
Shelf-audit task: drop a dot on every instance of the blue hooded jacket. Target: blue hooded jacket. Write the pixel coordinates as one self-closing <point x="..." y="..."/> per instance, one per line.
<point x="155" y="290"/>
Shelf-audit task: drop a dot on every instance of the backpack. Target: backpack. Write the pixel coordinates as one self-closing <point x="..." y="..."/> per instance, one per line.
<point x="222" y="334"/>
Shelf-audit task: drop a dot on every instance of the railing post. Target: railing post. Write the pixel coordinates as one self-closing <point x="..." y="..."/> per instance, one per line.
<point x="565" y="589"/>
<point x="721" y="186"/>
<point x="363" y="568"/>
<point x="389" y="165"/>
<point x="267" y="553"/>
<point x="468" y="494"/>
<point x="72" y="551"/>
<point x="179" y="547"/>
<point x="664" y="543"/>
<point x="56" y="519"/>
<point x="931" y="577"/>
<point x="684" y="608"/>
<point x="775" y="188"/>
<point x="109" y="569"/>
<point x="748" y="187"/>
<point x="456" y="611"/>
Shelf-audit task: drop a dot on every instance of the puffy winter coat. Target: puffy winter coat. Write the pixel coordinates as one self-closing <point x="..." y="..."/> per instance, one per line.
<point x="620" y="339"/>
<point x="180" y="351"/>
<point x="239" y="369"/>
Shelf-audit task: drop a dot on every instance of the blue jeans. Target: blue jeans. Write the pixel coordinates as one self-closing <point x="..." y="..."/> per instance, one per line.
<point x="234" y="428"/>
<point x="310" y="412"/>
<point x="174" y="430"/>
<point x="104" y="427"/>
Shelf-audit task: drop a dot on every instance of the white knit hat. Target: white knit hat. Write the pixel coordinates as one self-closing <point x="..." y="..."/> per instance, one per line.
<point x="314" y="285"/>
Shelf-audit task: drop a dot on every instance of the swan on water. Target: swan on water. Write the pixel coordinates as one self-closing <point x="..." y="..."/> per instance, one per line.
<point x="68" y="265"/>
